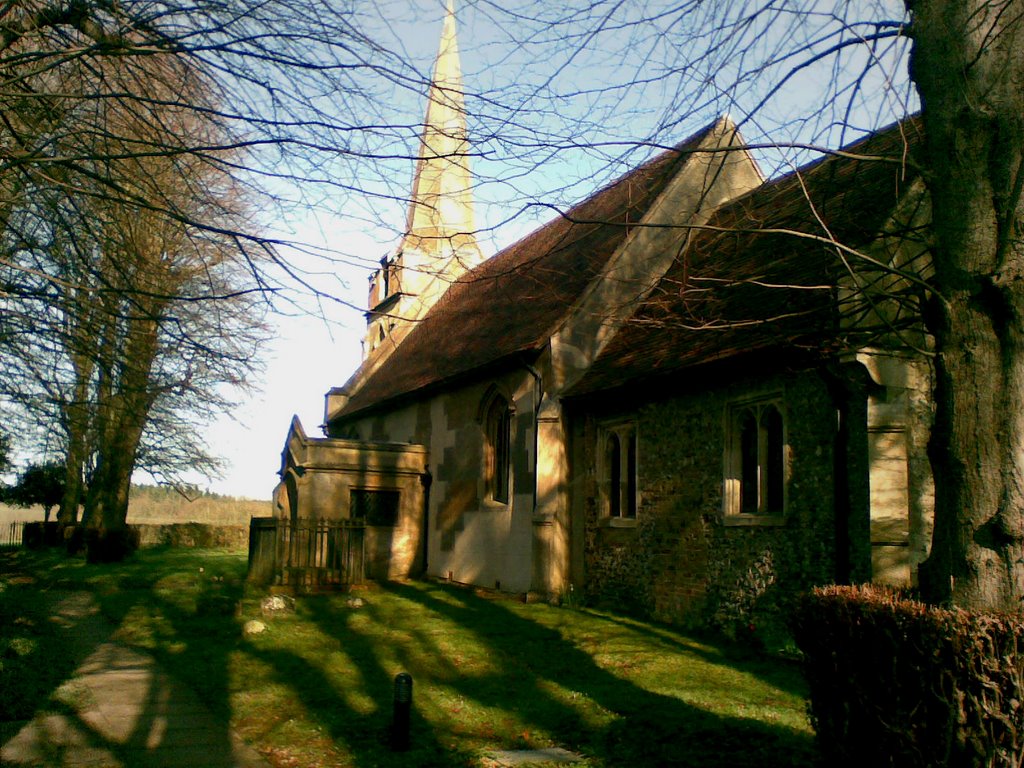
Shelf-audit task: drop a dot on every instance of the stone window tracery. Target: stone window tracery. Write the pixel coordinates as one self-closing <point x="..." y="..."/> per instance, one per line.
<point x="756" y="459"/>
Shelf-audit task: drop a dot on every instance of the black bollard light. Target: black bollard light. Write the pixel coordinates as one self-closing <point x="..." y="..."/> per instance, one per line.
<point x="402" y="714"/>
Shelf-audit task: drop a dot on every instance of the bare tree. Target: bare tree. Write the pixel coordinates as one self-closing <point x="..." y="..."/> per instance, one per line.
<point x="299" y="84"/>
<point x="298" y="91"/>
<point x="128" y="272"/>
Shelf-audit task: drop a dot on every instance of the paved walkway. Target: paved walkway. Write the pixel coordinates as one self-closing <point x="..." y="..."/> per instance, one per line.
<point x="121" y="710"/>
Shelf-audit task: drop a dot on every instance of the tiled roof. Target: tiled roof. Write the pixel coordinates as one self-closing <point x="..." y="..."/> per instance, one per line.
<point x="747" y="283"/>
<point x="511" y="303"/>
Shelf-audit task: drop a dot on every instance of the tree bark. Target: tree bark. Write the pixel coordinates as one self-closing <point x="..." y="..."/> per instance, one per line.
<point x="76" y="424"/>
<point x="109" y="490"/>
<point x="125" y="411"/>
<point x="968" y="64"/>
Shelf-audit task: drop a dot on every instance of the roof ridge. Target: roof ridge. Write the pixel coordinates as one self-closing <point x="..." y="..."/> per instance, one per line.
<point x="844" y="152"/>
<point x="674" y="153"/>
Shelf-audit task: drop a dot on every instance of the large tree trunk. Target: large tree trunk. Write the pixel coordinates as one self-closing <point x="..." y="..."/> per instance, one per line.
<point x="109" y="489"/>
<point x="968" y="64"/>
<point x="108" y="537"/>
<point x="74" y="460"/>
<point x="76" y="417"/>
<point x="123" y="412"/>
<point x="77" y="412"/>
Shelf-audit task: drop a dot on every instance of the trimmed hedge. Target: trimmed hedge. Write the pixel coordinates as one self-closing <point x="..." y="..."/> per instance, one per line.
<point x="193" y="535"/>
<point x="170" y="535"/>
<point x="896" y="682"/>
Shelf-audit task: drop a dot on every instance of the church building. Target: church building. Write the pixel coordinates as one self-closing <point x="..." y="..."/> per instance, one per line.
<point x="679" y="397"/>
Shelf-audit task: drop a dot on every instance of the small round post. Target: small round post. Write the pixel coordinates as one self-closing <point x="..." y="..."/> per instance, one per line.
<point x="401" y="720"/>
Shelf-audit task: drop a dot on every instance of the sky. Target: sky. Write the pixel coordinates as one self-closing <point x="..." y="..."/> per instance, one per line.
<point x="307" y="354"/>
<point x="305" y="359"/>
<point x="515" y="94"/>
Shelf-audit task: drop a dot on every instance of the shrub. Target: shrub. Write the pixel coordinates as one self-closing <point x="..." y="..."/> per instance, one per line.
<point x="41" y="484"/>
<point x="110" y="545"/>
<point x="895" y="682"/>
<point x="38" y="535"/>
<point x="74" y="539"/>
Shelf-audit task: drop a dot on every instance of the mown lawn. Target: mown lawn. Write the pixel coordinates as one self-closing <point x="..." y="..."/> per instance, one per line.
<point x="315" y="689"/>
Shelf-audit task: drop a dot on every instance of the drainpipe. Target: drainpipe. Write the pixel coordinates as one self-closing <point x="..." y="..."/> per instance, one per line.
<point x="426" y="480"/>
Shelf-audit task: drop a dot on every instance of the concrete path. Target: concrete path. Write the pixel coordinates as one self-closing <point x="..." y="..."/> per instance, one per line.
<point x="121" y="710"/>
<point x="510" y="758"/>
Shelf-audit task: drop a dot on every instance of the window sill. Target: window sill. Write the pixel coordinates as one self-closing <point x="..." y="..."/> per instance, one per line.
<point x="747" y="521"/>
<point x="490" y="505"/>
<point x="617" y="522"/>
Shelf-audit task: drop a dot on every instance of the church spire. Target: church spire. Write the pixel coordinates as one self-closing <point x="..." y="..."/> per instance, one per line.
<point x="440" y="216"/>
<point x="439" y="244"/>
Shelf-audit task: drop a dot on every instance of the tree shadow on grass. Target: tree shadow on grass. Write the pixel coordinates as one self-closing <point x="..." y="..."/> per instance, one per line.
<point x="531" y="680"/>
<point x="647" y="728"/>
<point x="365" y="729"/>
<point x="197" y="626"/>
<point x="32" y="658"/>
<point x="155" y="711"/>
<point x="776" y="671"/>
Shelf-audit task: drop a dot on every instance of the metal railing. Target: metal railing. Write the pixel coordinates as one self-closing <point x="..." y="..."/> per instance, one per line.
<point x="12" y="534"/>
<point x="306" y="553"/>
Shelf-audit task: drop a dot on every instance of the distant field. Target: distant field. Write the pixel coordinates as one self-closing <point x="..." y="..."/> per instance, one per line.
<point x="161" y="505"/>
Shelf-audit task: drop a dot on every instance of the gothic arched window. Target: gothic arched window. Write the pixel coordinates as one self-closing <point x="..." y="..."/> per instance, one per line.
<point x="756" y="459"/>
<point x="497" y="430"/>
<point x="618" y="471"/>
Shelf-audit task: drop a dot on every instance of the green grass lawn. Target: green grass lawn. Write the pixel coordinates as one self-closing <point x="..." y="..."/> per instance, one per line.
<point x="315" y="689"/>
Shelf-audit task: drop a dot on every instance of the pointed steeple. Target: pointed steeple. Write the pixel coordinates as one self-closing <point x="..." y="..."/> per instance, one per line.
<point x="440" y="216"/>
<point x="439" y="244"/>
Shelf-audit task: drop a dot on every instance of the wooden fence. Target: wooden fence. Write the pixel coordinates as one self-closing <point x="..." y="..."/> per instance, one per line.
<point x="306" y="554"/>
